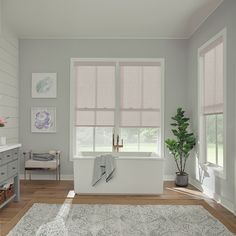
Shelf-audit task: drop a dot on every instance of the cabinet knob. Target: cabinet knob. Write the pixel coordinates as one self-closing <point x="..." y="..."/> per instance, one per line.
<point x="3" y="173"/>
<point x="8" y="155"/>
<point x="13" y="168"/>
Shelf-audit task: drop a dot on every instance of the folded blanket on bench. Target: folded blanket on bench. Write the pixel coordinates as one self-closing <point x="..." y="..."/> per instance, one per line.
<point x="43" y="157"/>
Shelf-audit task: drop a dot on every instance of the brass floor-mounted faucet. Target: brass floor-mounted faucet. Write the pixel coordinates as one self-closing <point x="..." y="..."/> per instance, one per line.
<point x="116" y="146"/>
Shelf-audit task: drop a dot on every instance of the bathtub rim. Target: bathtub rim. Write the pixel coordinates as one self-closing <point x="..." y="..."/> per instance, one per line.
<point x="120" y="155"/>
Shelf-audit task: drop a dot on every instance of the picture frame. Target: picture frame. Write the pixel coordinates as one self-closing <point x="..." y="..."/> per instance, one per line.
<point x="44" y="85"/>
<point x="43" y="119"/>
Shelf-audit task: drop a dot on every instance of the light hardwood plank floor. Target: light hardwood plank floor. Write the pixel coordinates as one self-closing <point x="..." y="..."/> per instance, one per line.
<point x="59" y="192"/>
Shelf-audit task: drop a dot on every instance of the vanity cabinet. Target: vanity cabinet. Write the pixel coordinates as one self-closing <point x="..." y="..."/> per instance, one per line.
<point x="9" y="169"/>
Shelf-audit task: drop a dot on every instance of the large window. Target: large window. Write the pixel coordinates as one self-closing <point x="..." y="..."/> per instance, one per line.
<point x="212" y="100"/>
<point x="117" y="97"/>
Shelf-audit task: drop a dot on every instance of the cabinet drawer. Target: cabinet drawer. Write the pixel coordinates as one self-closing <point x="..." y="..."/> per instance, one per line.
<point x="3" y="173"/>
<point x="15" y="153"/>
<point x="1" y="158"/>
<point x="6" y="157"/>
<point x="12" y="168"/>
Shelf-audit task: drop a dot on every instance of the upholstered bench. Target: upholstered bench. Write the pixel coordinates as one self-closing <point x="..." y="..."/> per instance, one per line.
<point x="32" y="163"/>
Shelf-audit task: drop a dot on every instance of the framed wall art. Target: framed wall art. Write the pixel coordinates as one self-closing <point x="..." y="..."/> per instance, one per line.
<point x="43" y="119"/>
<point x="44" y="85"/>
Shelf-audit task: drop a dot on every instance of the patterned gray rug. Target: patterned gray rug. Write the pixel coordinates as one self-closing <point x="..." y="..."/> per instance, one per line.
<point x="114" y="220"/>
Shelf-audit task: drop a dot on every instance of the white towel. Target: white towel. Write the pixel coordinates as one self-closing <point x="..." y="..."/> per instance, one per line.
<point x="103" y="165"/>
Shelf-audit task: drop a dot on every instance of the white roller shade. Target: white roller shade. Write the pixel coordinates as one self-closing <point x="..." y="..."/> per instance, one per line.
<point x="140" y="95"/>
<point x="105" y="87"/>
<point x="131" y="86"/>
<point x="86" y="87"/>
<point x="213" y="79"/>
<point x="95" y="94"/>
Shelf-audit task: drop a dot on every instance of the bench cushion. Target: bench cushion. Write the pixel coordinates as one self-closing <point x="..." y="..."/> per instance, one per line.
<point x="41" y="164"/>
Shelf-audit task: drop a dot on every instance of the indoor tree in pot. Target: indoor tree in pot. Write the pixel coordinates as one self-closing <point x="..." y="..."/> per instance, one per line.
<point x="181" y="146"/>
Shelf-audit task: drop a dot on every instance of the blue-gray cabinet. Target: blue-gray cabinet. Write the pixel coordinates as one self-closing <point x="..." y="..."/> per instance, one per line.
<point x="9" y="169"/>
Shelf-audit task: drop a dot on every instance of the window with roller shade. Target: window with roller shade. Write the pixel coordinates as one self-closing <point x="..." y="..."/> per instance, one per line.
<point x="95" y="106"/>
<point x="117" y="98"/>
<point x="212" y="58"/>
<point x="140" y="100"/>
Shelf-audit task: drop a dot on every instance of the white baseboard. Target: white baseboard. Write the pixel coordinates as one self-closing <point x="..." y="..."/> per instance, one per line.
<point x="71" y="177"/>
<point x="195" y="183"/>
<point x="169" y="177"/>
<point x="47" y="177"/>
<point x="218" y="198"/>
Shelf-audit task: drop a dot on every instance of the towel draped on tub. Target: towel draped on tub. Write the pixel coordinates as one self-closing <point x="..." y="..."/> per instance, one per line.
<point x="103" y="165"/>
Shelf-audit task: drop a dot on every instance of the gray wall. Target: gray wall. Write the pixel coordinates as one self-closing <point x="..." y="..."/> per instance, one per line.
<point x="224" y="16"/>
<point x="54" y="56"/>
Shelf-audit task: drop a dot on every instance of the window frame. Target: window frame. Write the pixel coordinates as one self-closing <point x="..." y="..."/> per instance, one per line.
<point x="218" y="171"/>
<point x="117" y="61"/>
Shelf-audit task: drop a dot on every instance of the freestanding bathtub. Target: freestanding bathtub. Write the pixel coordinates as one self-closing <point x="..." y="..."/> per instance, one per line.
<point x="140" y="174"/>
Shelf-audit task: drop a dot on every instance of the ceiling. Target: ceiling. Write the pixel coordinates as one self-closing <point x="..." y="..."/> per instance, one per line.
<point x="106" y="18"/>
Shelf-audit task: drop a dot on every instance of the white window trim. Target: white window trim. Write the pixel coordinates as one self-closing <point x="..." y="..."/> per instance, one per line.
<point x="218" y="171"/>
<point x="72" y="146"/>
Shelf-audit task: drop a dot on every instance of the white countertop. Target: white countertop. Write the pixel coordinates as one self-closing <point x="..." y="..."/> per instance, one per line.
<point x="9" y="147"/>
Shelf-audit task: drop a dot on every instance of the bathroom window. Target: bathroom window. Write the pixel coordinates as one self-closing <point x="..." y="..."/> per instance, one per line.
<point x="140" y="103"/>
<point x="95" y="106"/>
<point x="116" y="97"/>
<point x="141" y="139"/>
<point x="212" y="100"/>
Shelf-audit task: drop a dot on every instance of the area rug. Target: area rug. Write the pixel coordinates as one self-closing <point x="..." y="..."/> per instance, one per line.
<point x="113" y="220"/>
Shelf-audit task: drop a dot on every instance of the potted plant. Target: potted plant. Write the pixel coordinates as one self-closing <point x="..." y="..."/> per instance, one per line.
<point x="181" y="146"/>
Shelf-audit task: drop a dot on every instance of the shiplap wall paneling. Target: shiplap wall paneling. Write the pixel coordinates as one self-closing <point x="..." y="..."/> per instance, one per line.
<point x="9" y="95"/>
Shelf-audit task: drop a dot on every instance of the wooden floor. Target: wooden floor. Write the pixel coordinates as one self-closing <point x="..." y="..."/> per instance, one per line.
<point x="59" y="192"/>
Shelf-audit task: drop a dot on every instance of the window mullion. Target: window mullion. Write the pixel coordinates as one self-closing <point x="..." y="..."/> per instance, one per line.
<point x="142" y="83"/>
<point x="117" y="99"/>
<point x="95" y="110"/>
<point x="139" y="139"/>
<point x="94" y="139"/>
<point x="216" y="139"/>
<point x="204" y="136"/>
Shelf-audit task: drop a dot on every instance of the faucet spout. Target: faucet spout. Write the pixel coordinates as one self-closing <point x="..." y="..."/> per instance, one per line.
<point x="116" y="146"/>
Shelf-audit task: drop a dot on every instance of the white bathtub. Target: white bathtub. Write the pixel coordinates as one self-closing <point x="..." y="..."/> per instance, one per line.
<point x="141" y="174"/>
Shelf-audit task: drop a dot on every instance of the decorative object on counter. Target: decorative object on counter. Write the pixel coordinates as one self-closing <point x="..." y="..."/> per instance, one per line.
<point x="44" y="85"/>
<point x="43" y="119"/>
<point x="42" y="161"/>
<point x="3" y="121"/>
<point x="181" y="146"/>
<point x="3" y="139"/>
